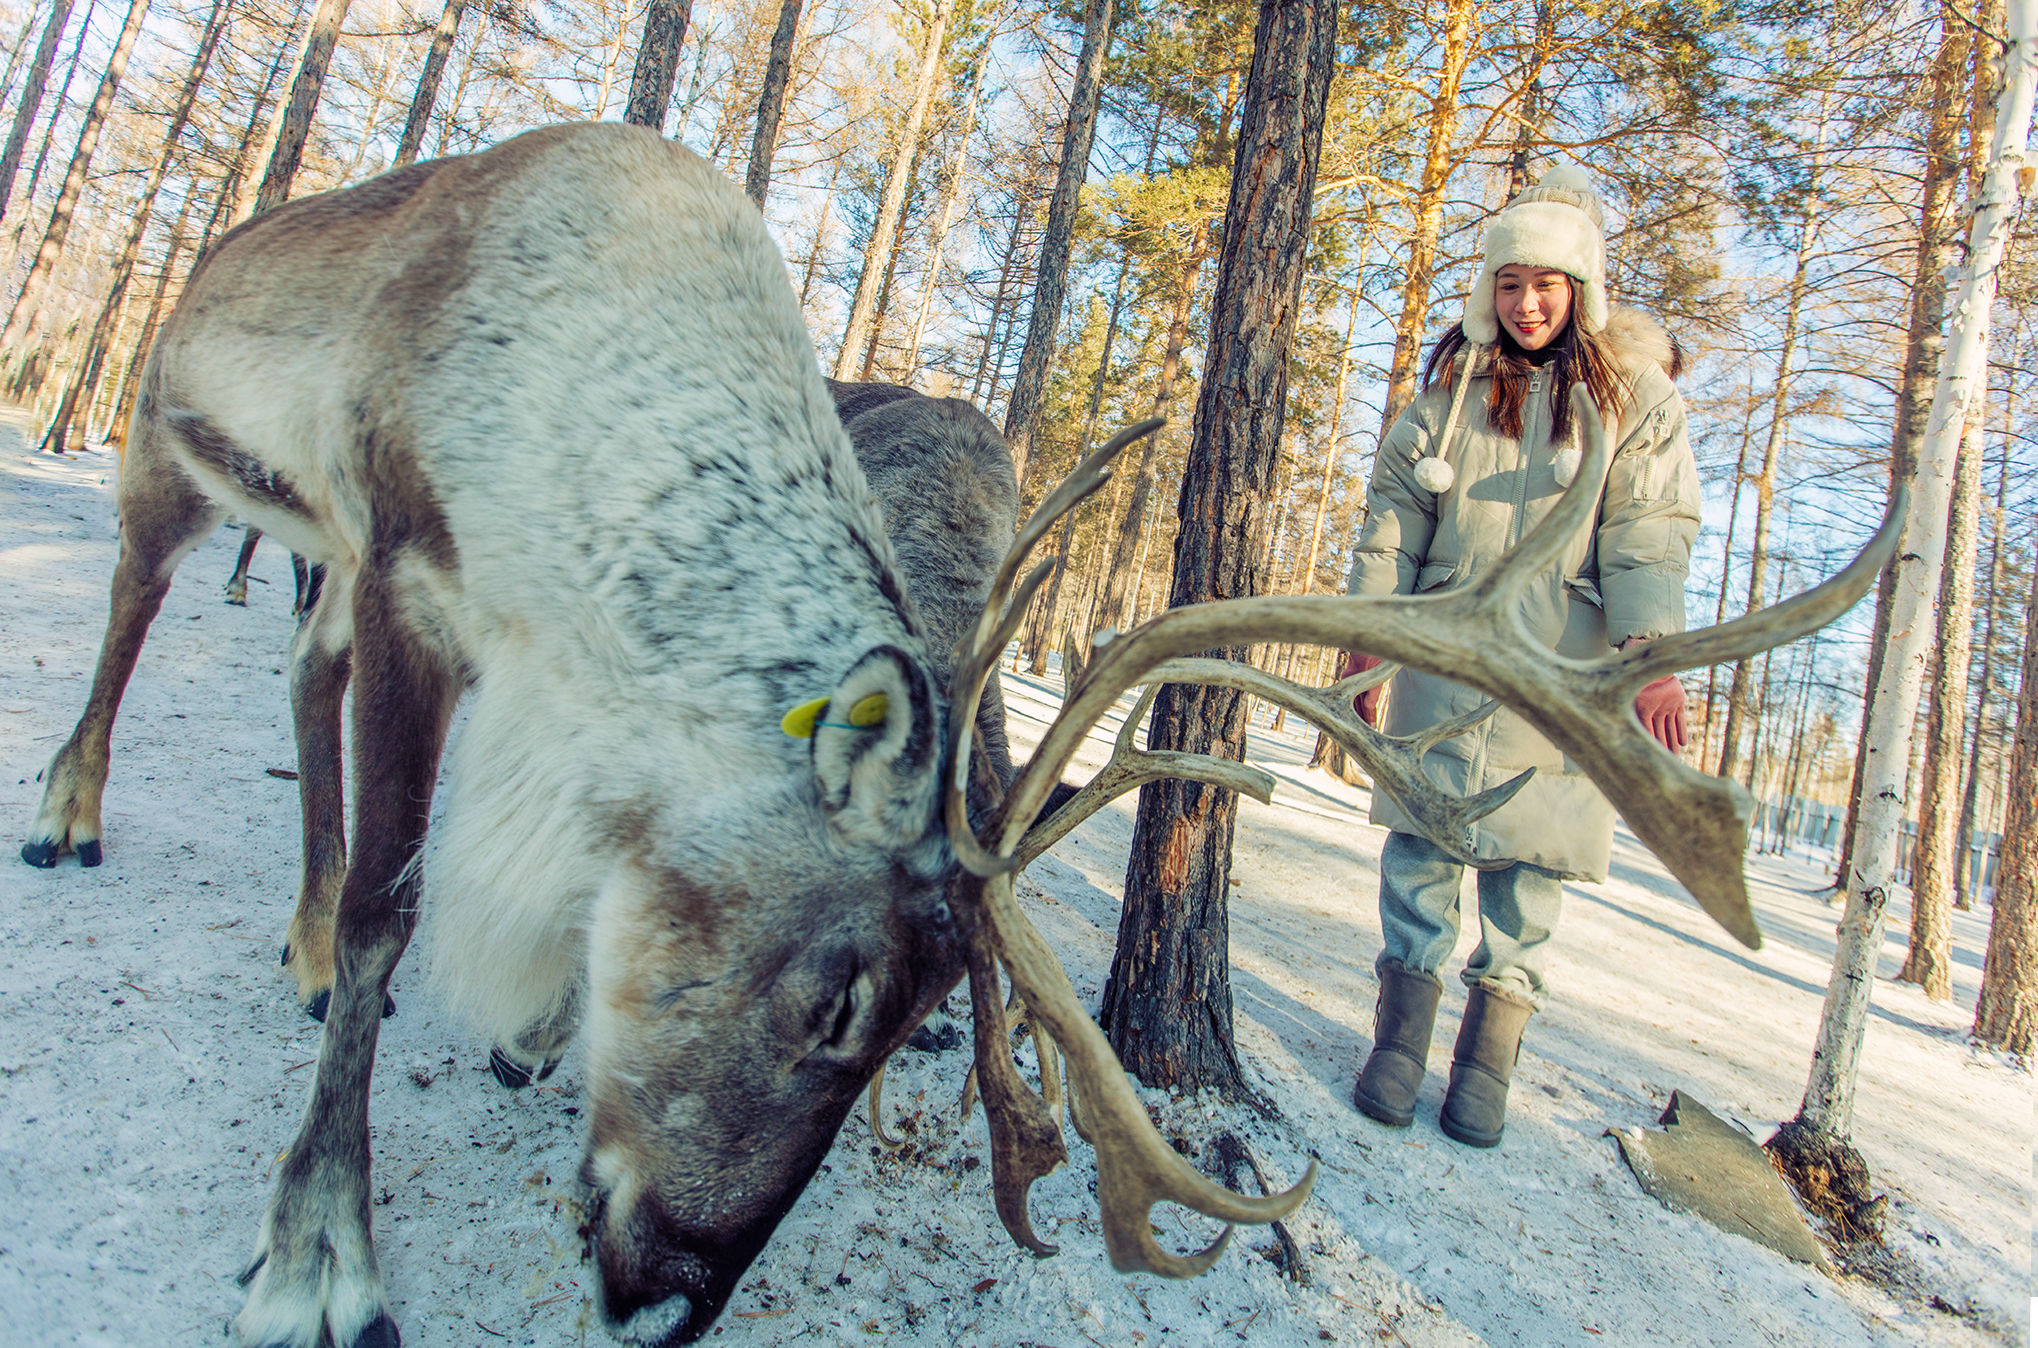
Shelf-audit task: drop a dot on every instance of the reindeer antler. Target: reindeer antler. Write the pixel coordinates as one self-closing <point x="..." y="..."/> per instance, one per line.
<point x="1695" y="823"/>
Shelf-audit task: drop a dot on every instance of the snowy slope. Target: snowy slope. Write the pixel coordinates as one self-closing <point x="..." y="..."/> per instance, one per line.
<point x="153" y="1064"/>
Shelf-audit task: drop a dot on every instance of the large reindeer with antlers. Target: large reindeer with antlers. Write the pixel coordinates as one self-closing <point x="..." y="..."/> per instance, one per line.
<point x="548" y="417"/>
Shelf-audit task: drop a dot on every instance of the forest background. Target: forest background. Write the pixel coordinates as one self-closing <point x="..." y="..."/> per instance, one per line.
<point x="1785" y="190"/>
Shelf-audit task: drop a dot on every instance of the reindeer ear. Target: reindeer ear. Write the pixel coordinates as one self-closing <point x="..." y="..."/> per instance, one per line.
<point x="877" y="752"/>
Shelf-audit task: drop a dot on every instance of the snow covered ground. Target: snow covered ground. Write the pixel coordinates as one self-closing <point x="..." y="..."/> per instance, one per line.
<point x="153" y="1064"/>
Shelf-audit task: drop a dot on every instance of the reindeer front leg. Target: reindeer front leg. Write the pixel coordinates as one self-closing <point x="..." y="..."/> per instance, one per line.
<point x="314" y="1273"/>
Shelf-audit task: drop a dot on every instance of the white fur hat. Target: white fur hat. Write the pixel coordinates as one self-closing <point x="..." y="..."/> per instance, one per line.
<point x="1553" y="224"/>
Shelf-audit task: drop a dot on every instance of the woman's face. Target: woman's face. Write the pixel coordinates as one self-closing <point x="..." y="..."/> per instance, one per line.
<point x="1534" y="304"/>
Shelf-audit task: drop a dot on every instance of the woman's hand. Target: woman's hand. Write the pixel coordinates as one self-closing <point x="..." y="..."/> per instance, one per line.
<point x="1660" y="708"/>
<point x="1366" y="704"/>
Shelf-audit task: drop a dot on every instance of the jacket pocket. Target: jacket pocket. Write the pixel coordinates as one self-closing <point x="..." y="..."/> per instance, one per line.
<point x="1435" y="576"/>
<point x="1587" y="589"/>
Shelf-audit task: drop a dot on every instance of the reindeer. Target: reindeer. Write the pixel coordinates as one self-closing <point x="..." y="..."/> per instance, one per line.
<point x="547" y="419"/>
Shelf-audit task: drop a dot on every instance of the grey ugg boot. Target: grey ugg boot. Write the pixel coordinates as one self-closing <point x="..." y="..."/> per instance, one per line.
<point x="1489" y="1042"/>
<point x="1402" y="1021"/>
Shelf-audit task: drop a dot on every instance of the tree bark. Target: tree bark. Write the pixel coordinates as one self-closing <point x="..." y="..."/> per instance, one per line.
<point x="428" y="83"/>
<point x="1924" y="348"/>
<point x="884" y="231"/>
<point x="49" y="130"/>
<point x="1167" y="1004"/>
<point x="657" y="65"/>
<point x="59" y="227"/>
<point x="1050" y="277"/>
<point x="31" y="100"/>
<point x="778" y="74"/>
<point x="1429" y="211"/>
<point x="2006" y="1014"/>
<point x="1829" y="1095"/>
<point x="305" y="90"/>
<point x="81" y="383"/>
<point x="1963" y="896"/>
<point x="226" y="207"/>
<point x="951" y="197"/>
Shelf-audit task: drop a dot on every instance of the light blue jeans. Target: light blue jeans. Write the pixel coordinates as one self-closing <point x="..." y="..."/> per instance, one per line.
<point x="1419" y="895"/>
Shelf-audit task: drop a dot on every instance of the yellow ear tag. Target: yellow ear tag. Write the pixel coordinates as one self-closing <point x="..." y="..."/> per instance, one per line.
<point x="869" y="711"/>
<point x="799" y="722"/>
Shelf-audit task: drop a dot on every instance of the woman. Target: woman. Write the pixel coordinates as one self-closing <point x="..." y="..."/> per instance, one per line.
<point x="1481" y="456"/>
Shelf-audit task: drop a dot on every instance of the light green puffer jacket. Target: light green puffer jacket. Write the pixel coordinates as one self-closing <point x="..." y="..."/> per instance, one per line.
<point x="1623" y="578"/>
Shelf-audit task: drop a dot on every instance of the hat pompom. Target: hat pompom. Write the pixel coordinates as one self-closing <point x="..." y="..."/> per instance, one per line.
<point x="1434" y="475"/>
<point x="1568" y="461"/>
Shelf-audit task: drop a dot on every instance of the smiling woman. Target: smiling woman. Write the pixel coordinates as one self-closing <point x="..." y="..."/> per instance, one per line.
<point x="1457" y="483"/>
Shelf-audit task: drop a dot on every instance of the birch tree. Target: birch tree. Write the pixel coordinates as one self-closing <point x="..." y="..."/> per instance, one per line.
<point x="1816" y="1137"/>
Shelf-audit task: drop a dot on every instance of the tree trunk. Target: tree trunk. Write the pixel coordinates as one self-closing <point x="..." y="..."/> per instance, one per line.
<point x="226" y="207"/>
<point x="1022" y="206"/>
<point x="951" y="197"/>
<point x="1712" y="673"/>
<point x="31" y="100"/>
<point x="130" y="384"/>
<point x="1963" y="896"/>
<point x="80" y="386"/>
<point x="1045" y="618"/>
<point x="1924" y="348"/>
<point x="884" y="231"/>
<point x="1116" y="609"/>
<point x="1167" y="1004"/>
<point x="1829" y="1095"/>
<point x="1050" y="277"/>
<point x="778" y="74"/>
<point x="49" y="130"/>
<point x="59" y="227"/>
<point x="1429" y="211"/>
<point x="2006" y="1014"/>
<point x="305" y="90"/>
<point x="1772" y="446"/>
<point x="657" y="63"/>
<point x="428" y="83"/>
<point x="14" y="55"/>
<point x="1532" y="99"/>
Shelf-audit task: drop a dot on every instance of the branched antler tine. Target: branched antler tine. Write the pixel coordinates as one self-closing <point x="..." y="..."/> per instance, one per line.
<point x="1351" y="685"/>
<point x="1478" y="806"/>
<point x="1425" y="740"/>
<point x="1395" y="764"/>
<point x="972" y="672"/>
<point x="1025" y="1142"/>
<point x="1135" y="1168"/>
<point x="1502" y="587"/>
<point x="1777" y="625"/>
<point x="877" y="1110"/>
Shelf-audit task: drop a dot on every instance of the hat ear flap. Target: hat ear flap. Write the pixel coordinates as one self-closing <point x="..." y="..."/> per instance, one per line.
<point x="1482" y="321"/>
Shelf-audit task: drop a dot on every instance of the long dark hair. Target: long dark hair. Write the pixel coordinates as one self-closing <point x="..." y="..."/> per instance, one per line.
<point x="1581" y="357"/>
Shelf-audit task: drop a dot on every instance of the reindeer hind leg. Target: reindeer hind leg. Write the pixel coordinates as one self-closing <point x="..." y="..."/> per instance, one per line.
<point x="162" y="517"/>
<point x="237" y="583"/>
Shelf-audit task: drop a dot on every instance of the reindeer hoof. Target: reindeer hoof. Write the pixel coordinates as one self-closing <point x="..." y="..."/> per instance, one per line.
<point x="284" y="960"/>
<point x="380" y="1333"/>
<point x="317" y="1006"/>
<point x="90" y="853"/>
<point x="507" y="1072"/>
<point x="514" y="1074"/>
<point x="42" y="854"/>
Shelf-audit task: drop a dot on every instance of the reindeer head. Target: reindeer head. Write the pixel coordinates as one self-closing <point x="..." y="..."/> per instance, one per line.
<point x="746" y="978"/>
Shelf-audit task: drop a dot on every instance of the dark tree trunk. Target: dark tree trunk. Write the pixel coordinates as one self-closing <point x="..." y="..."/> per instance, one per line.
<point x="80" y="387"/>
<point x="778" y="73"/>
<point x="2006" y="1016"/>
<point x="1050" y="278"/>
<point x="1167" y="1005"/>
<point x="657" y="63"/>
<point x="31" y="100"/>
<point x="428" y="83"/>
<point x="304" y="95"/>
<point x="59" y="228"/>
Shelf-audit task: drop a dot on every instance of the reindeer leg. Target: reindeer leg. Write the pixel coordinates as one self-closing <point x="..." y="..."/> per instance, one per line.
<point x="162" y="517"/>
<point x="314" y="1274"/>
<point x="237" y="583"/>
<point x="320" y="659"/>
